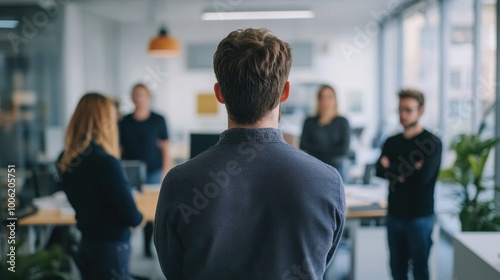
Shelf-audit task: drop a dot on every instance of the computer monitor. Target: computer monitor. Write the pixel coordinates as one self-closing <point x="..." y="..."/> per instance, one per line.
<point x="135" y="170"/>
<point x="12" y="149"/>
<point x="201" y="142"/>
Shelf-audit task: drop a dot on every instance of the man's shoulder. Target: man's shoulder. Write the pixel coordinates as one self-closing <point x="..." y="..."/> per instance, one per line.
<point x="126" y="118"/>
<point x="429" y="135"/>
<point x="393" y="138"/>
<point x="293" y="160"/>
<point x="282" y="156"/>
<point x="157" y="116"/>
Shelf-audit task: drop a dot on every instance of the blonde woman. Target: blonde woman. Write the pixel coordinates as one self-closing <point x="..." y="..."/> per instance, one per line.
<point x="326" y="136"/>
<point x="96" y="186"/>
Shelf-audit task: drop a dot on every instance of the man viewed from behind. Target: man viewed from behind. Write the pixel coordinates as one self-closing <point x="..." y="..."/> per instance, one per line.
<point x="410" y="161"/>
<point x="250" y="207"/>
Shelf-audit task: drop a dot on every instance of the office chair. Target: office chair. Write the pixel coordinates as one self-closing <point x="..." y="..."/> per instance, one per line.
<point x="369" y="173"/>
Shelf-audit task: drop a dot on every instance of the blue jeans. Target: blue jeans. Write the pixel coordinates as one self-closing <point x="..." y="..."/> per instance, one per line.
<point x="104" y="260"/>
<point x="154" y="177"/>
<point x="340" y="168"/>
<point x="410" y="239"/>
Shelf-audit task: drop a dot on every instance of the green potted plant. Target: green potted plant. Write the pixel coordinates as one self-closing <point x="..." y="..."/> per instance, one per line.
<point x="42" y="265"/>
<point x="471" y="156"/>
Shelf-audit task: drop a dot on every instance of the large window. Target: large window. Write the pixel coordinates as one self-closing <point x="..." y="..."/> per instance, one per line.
<point x="467" y="94"/>
<point x="460" y="49"/>
<point x="420" y="53"/>
<point x="486" y="82"/>
<point x="391" y="119"/>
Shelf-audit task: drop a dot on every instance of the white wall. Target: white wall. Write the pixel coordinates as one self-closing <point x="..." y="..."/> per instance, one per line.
<point x="91" y="55"/>
<point x="115" y="58"/>
<point x="101" y="53"/>
<point x="73" y="60"/>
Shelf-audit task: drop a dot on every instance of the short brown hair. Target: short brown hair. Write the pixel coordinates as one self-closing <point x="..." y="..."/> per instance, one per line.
<point x="412" y="93"/>
<point x="140" y="85"/>
<point x="251" y="67"/>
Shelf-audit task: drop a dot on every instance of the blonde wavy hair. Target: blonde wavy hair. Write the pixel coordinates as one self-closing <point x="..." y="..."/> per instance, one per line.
<point x="93" y="120"/>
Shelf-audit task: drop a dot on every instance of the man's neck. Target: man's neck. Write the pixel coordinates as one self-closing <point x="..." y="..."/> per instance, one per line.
<point x="413" y="131"/>
<point x="269" y="121"/>
<point x="141" y="114"/>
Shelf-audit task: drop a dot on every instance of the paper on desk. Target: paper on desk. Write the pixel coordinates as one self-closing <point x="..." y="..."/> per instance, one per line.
<point x="57" y="200"/>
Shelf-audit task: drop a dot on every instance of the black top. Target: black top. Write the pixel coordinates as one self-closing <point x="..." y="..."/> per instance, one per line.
<point x="96" y="187"/>
<point x="139" y="139"/>
<point x="250" y="207"/>
<point x="328" y="143"/>
<point x="415" y="196"/>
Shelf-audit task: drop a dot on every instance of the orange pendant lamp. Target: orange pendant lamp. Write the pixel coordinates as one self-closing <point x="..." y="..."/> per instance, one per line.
<point x="164" y="45"/>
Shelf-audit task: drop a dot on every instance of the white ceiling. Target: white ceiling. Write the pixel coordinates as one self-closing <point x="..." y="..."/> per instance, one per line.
<point x="331" y="16"/>
<point x="333" y="13"/>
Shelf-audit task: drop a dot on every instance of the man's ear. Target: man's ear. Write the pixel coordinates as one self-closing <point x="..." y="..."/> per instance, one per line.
<point x="218" y="94"/>
<point x="286" y="92"/>
<point x="421" y="111"/>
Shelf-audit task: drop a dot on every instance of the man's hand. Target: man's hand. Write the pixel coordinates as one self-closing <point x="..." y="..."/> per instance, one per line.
<point x="385" y="162"/>
<point x="141" y="225"/>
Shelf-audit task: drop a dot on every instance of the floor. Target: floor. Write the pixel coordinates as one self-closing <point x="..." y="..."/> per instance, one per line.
<point x="149" y="268"/>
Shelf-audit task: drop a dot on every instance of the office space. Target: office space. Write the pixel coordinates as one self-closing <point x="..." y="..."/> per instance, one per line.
<point x="112" y="65"/>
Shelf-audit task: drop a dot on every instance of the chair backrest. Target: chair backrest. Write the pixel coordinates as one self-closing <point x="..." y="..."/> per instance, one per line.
<point x="135" y="170"/>
<point x="369" y="172"/>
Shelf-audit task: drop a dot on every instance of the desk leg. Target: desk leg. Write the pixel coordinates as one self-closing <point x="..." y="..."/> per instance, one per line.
<point x="43" y="238"/>
<point x="352" y="227"/>
<point x="45" y="233"/>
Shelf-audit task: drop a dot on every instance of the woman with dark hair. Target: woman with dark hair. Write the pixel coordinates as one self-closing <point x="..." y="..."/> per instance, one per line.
<point x="96" y="187"/>
<point x="326" y="135"/>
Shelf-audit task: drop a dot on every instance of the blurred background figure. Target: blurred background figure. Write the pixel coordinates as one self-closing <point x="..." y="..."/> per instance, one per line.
<point x="144" y="136"/>
<point x="326" y="135"/>
<point x="410" y="211"/>
<point x="96" y="187"/>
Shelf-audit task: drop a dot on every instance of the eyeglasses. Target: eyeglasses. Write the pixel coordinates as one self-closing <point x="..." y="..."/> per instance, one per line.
<point x="407" y="109"/>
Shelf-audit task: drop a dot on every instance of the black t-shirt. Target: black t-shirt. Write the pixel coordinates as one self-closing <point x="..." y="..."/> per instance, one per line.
<point x="415" y="196"/>
<point x="139" y="139"/>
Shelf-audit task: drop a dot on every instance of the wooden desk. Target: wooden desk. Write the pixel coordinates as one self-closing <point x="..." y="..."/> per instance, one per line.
<point x="145" y="201"/>
<point x="46" y="219"/>
<point x="366" y="214"/>
<point x="365" y="195"/>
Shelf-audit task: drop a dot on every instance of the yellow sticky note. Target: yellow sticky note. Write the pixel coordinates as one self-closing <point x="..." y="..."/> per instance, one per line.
<point x="207" y="104"/>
